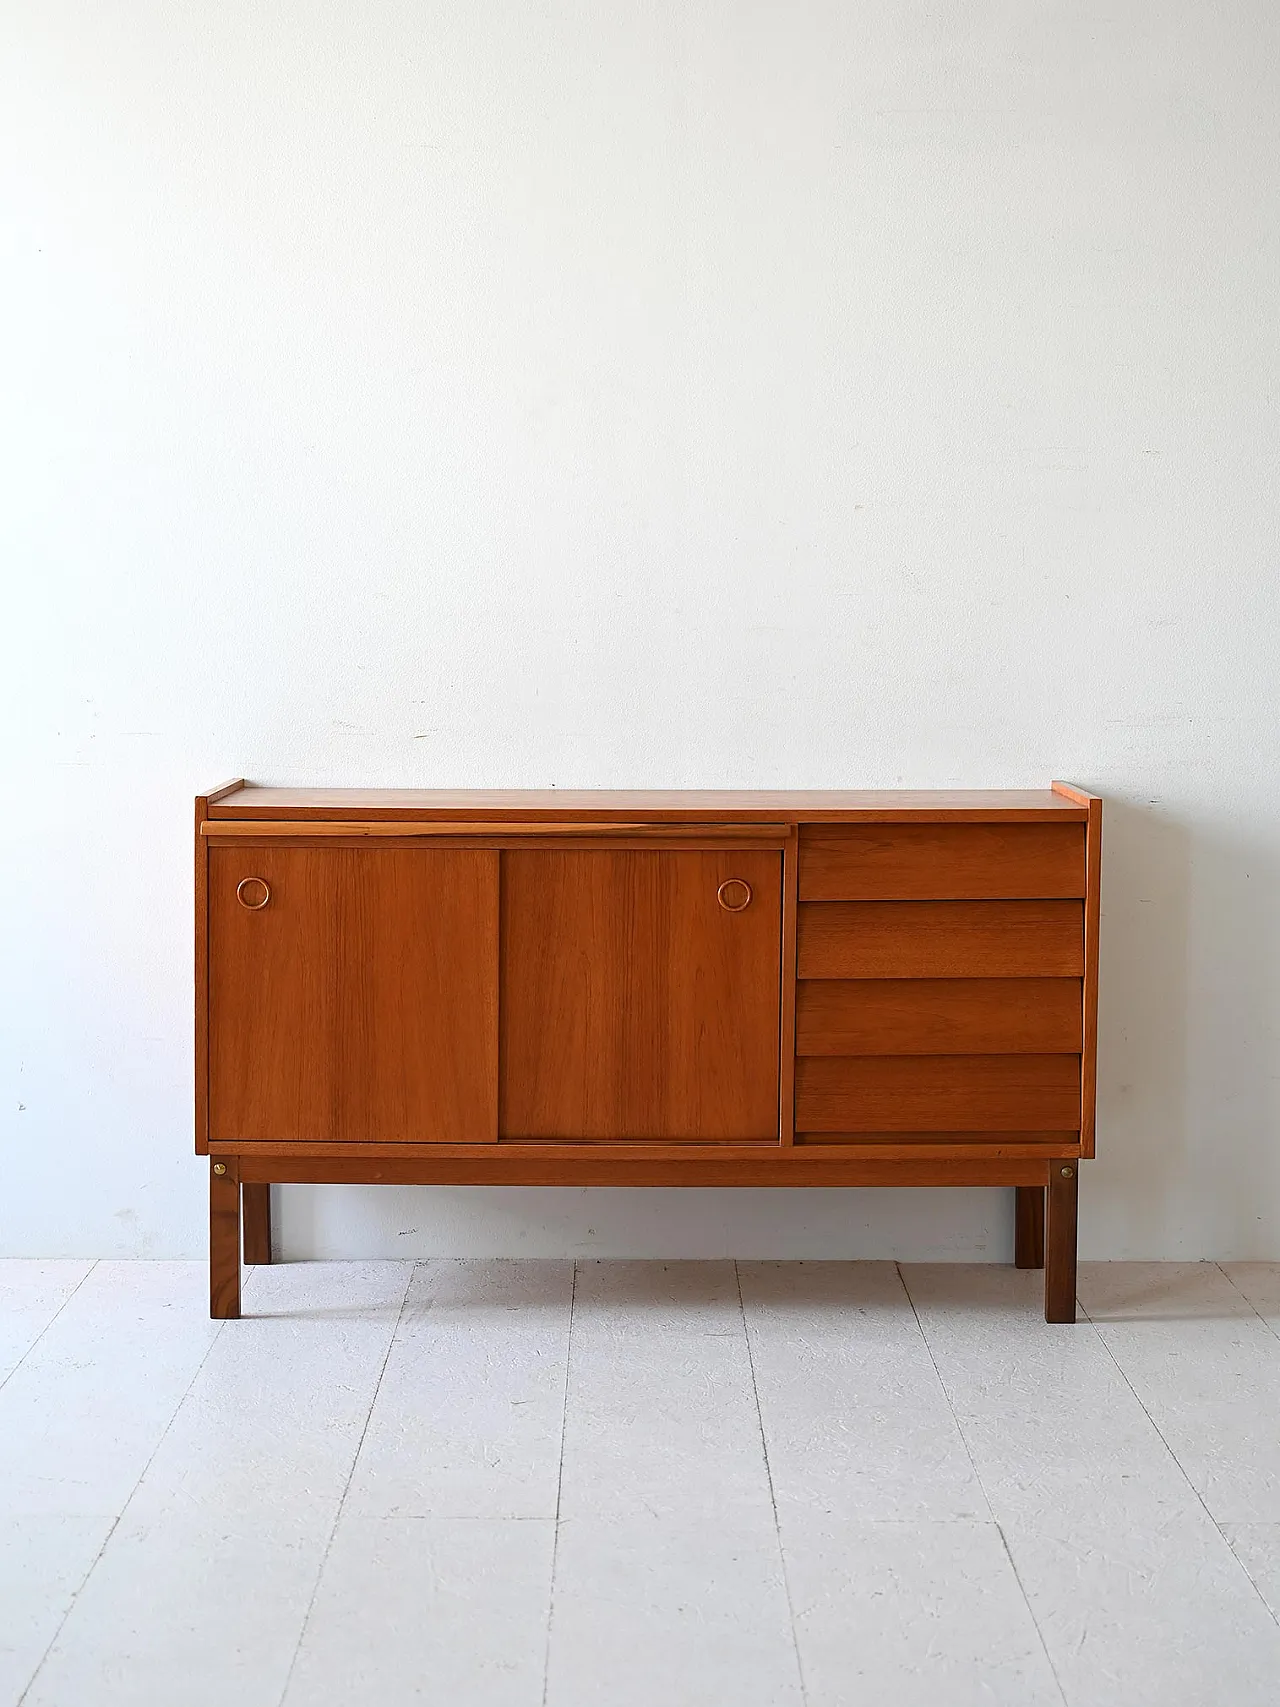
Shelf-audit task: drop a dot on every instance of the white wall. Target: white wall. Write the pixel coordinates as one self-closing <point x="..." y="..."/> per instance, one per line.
<point x="690" y="393"/>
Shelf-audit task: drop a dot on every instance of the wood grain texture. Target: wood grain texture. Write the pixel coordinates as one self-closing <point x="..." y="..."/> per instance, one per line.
<point x="771" y="1165"/>
<point x="937" y="1093"/>
<point x="632" y="1004"/>
<point x="1028" y="1227"/>
<point x="938" y="1016"/>
<point x="255" y="1214"/>
<point x="224" y="1241"/>
<point x="360" y="1002"/>
<point x="941" y="939"/>
<point x="925" y="862"/>
<point x="655" y="805"/>
<point x="1060" y="1241"/>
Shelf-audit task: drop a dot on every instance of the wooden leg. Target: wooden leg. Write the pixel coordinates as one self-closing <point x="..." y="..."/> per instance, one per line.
<point x="1060" y="1243"/>
<point x="224" y="1241"/>
<point x="1028" y="1227"/>
<point x="256" y="1206"/>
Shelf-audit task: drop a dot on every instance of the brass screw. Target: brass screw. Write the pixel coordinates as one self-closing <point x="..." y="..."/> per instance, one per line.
<point x="1066" y="1172"/>
<point x="219" y="1167"/>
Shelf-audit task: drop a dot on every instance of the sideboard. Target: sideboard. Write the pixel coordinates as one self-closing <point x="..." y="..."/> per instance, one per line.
<point x="646" y="989"/>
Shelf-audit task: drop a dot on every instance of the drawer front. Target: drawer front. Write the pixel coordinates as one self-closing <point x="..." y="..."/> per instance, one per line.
<point x="941" y="862"/>
<point x="941" y="939"/>
<point x="938" y="1093"/>
<point x="939" y="1016"/>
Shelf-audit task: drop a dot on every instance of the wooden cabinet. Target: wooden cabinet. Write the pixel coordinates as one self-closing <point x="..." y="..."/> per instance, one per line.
<point x="733" y="989"/>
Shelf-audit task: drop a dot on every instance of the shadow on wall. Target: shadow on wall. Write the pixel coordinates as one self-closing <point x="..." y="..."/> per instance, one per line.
<point x="1142" y="1017"/>
<point x="1186" y="1051"/>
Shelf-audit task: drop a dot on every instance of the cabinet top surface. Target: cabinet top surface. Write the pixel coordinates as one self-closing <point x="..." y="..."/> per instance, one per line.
<point x="646" y="805"/>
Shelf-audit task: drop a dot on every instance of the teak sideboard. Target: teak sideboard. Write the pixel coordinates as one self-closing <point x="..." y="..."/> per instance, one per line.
<point x="739" y="989"/>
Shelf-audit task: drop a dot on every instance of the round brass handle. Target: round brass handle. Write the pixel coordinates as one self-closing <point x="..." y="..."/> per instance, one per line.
<point x="734" y="894"/>
<point x="244" y="883"/>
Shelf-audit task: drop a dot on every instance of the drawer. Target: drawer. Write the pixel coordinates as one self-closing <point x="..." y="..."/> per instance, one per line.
<point x="941" y="939"/>
<point x="939" y="1016"/>
<point x="942" y="862"/>
<point x="938" y="1093"/>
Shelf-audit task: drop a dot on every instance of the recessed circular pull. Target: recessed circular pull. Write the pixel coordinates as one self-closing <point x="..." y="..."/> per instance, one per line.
<point x="253" y="884"/>
<point x="734" y="894"/>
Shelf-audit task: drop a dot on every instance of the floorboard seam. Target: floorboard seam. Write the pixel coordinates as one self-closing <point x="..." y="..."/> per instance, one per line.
<point x="555" y="1528"/>
<point x="977" y="1476"/>
<point x="1249" y="1301"/>
<point x="346" y="1486"/>
<point x="773" y="1497"/>
<point x="1239" y="1563"/>
<point x="1267" y="1324"/>
<point x="119" y="1517"/>
<point x="52" y="1319"/>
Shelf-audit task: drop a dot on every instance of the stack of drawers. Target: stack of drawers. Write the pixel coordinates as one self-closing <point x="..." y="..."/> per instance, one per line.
<point x="940" y="996"/>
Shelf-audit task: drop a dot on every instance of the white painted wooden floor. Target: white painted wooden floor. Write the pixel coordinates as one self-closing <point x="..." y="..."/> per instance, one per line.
<point x="657" y="1484"/>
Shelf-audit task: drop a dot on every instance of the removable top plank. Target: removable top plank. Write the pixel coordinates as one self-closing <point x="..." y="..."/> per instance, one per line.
<point x="653" y="806"/>
<point x="492" y="829"/>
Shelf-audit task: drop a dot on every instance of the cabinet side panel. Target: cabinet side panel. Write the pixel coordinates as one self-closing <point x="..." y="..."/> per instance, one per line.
<point x="201" y="1055"/>
<point x="788" y="991"/>
<point x="1092" y="932"/>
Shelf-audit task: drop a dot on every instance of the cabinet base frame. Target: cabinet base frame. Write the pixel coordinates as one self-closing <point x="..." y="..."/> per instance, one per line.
<point x="1028" y="1227"/>
<point x="255" y="1207"/>
<point x="1045" y="1215"/>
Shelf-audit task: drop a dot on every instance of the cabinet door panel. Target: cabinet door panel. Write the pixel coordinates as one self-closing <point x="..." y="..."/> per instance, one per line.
<point x="359" y="1004"/>
<point x="634" y="1005"/>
